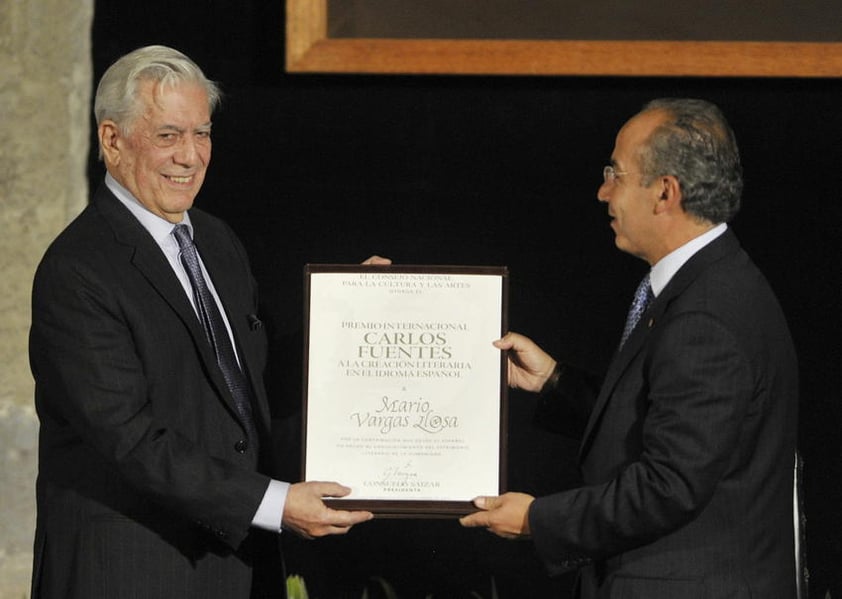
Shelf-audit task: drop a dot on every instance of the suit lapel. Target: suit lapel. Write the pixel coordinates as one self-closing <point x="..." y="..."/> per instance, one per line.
<point x="148" y="259"/>
<point x="724" y="245"/>
<point x="619" y="364"/>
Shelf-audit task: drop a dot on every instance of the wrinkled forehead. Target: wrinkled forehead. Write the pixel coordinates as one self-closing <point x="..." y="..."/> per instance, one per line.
<point x="186" y="99"/>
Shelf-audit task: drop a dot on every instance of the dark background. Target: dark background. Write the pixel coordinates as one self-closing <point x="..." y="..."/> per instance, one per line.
<point x="492" y="171"/>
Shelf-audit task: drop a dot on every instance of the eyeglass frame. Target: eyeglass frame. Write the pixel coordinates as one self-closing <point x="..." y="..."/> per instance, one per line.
<point x="610" y="174"/>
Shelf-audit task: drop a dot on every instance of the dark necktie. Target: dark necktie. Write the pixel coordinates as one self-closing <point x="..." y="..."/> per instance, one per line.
<point x="642" y="298"/>
<point x="215" y="329"/>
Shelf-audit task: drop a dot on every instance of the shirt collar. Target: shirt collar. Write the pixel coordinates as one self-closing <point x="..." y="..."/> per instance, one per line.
<point x="667" y="266"/>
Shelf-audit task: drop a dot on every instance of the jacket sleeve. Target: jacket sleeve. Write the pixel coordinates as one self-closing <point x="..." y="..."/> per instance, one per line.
<point x="565" y="401"/>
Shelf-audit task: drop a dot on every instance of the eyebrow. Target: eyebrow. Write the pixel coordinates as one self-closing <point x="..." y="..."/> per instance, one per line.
<point x="207" y="125"/>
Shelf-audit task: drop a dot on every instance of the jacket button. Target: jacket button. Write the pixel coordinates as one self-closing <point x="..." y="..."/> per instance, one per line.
<point x="241" y="446"/>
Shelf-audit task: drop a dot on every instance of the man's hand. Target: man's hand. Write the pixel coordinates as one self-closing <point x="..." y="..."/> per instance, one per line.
<point x="307" y="515"/>
<point x="529" y="366"/>
<point x="379" y="260"/>
<point x="506" y="516"/>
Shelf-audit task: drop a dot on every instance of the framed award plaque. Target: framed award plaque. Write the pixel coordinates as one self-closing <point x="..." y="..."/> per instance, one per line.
<point x="404" y="394"/>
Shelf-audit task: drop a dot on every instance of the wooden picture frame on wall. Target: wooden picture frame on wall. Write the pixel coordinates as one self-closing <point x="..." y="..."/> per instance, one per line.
<point x="311" y="49"/>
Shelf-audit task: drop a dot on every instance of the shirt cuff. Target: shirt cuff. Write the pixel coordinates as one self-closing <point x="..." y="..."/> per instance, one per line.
<point x="551" y="384"/>
<point x="271" y="510"/>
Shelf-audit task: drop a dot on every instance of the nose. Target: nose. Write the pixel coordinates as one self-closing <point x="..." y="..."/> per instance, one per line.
<point x="602" y="194"/>
<point x="186" y="151"/>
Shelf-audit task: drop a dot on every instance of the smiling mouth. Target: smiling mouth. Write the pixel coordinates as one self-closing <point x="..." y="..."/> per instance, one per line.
<point x="180" y="180"/>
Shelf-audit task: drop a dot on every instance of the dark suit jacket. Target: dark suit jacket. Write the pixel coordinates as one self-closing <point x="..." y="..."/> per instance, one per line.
<point x="145" y="487"/>
<point x="688" y="453"/>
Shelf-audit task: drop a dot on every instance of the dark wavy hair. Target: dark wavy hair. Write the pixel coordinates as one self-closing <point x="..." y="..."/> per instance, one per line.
<point x="697" y="146"/>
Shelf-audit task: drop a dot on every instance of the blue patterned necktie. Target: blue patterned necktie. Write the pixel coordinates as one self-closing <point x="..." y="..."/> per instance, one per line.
<point x="642" y="298"/>
<point x="215" y="329"/>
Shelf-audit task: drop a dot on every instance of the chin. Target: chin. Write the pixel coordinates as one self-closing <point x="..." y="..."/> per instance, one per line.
<point x="182" y="202"/>
<point x="626" y="248"/>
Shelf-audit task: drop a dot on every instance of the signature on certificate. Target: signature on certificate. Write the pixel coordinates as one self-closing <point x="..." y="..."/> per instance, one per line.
<point x="399" y="473"/>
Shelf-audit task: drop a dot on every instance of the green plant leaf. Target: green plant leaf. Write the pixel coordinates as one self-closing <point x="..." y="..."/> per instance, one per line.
<point x="388" y="590"/>
<point x="296" y="588"/>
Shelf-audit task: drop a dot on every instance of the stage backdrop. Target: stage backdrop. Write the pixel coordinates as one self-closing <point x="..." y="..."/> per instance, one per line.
<point x="492" y="171"/>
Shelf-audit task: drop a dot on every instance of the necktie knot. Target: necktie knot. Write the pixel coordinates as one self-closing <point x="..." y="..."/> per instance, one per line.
<point x="182" y="237"/>
<point x="643" y="296"/>
<point x="188" y="255"/>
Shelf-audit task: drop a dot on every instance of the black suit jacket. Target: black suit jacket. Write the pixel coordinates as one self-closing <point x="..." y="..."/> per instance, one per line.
<point x="688" y="451"/>
<point x="145" y="487"/>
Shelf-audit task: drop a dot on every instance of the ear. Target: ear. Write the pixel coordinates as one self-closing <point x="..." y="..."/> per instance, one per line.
<point x="109" y="135"/>
<point x="670" y="195"/>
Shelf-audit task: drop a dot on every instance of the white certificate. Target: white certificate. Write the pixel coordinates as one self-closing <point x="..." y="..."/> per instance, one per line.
<point x="404" y="392"/>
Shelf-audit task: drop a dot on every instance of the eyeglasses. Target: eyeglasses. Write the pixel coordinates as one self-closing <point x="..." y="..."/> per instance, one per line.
<point x="610" y="174"/>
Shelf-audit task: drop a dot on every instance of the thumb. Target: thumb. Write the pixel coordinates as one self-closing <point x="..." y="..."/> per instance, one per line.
<point x="486" y="503"/>
<point x="327" y="489"/>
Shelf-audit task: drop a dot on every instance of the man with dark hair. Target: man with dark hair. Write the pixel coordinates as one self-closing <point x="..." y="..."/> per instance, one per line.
<point x="688" y="445"/>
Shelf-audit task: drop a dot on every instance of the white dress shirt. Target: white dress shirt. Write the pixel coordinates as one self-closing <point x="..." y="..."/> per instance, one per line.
<point x="667" y="266"/>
